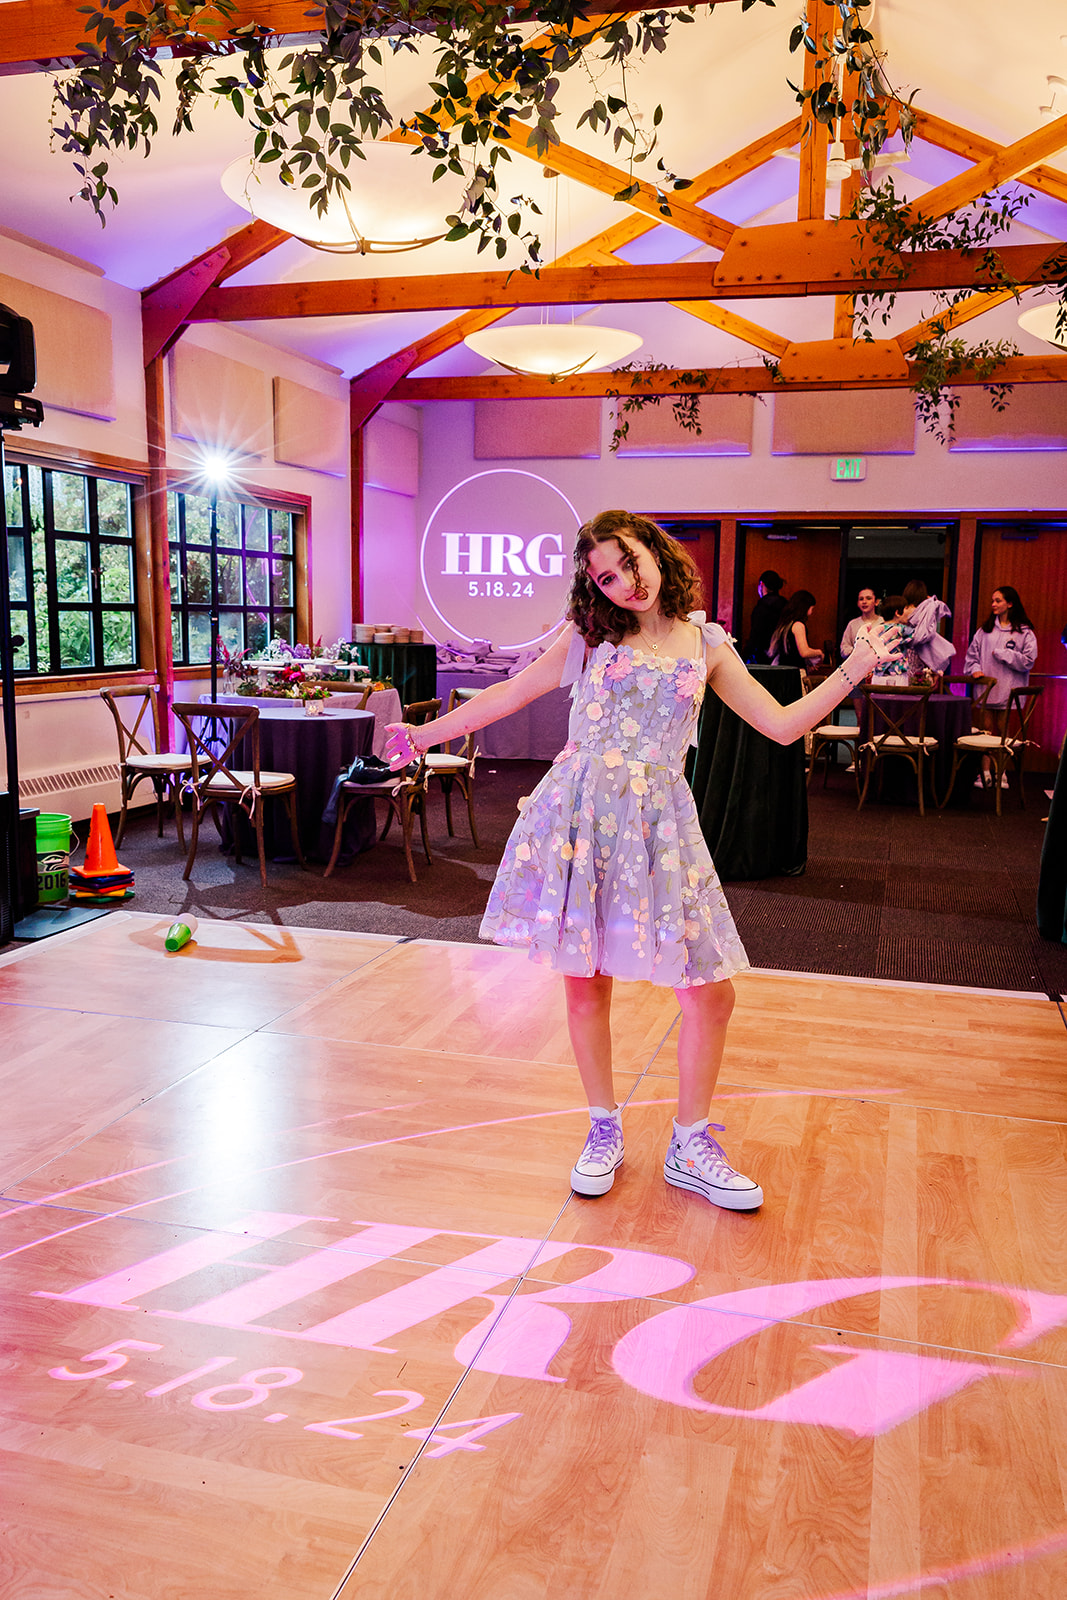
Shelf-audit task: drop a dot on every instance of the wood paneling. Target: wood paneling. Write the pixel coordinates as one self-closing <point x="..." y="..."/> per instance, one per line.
<point x="812" y="562"/>
<point x="1038" y="570"/>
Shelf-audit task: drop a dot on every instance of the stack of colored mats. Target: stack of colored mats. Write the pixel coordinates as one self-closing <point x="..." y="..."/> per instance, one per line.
<point x="102" y="880"/>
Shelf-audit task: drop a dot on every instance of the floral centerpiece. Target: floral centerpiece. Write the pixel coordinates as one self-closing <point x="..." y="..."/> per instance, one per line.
<point x="313" y="693"/>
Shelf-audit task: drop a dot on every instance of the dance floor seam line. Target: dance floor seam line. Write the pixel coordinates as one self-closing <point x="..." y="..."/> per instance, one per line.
<point x="467" y="1372"/>
<point x="860" y="1096"/>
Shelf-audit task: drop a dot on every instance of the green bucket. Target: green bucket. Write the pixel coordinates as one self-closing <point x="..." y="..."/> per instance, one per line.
<point x="53" y="856"/>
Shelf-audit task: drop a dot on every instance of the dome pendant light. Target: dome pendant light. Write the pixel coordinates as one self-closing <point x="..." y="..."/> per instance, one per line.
<point x="554" y="350"/>
<point x="392" y="206"/>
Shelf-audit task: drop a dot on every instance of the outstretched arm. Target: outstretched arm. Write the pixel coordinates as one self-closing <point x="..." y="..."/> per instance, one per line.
<point x="737" y="688"/>
<point x="489" y="705"/>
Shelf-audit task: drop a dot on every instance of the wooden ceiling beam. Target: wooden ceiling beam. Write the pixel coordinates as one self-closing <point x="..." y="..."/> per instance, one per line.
<point x="603" y="245"/>
<point x="811" y="195"/>
<point x="39" y="32"/>
<point x="165" y="307"/>
<point x="721" y="380"/>
<point x="1001" y="167"/>
<point x="606" y="179"/>
<point x="961" y="142"/>
<point x="729" y="322"/>
<point x="596" y="285"/>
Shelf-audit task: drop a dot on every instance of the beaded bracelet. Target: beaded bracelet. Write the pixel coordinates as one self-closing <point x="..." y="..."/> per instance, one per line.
<point x="847" y="679"/>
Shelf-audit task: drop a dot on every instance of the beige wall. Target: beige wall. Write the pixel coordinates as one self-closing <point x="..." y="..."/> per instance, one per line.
<point x="68" y="731"/>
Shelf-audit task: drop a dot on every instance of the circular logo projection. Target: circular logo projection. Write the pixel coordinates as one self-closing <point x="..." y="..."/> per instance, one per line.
<point x="496" y="557"/>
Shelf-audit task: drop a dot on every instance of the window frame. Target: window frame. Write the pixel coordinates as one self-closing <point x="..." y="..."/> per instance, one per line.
<point x="298" y="507"/>
<point x="94" y="472"/>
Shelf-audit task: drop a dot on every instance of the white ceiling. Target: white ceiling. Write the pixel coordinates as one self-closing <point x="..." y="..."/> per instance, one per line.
<point x="722" y="83"/>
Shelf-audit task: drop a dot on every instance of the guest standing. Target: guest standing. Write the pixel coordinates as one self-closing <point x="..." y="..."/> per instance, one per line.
<point x="866" y="600"/>
<point x="1004" y="648"/>
<point x="924" y="613"/>
<point x="789" y="645"/>
<point x="766" y="615"/>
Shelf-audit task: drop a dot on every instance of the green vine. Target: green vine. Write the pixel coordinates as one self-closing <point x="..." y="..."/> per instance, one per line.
<point x="313" y="111"/>
<point x="685" y="405"/>
<point x="893" y="232"/>
<point x="847" y="61"/>
<point x="941" y="359"/>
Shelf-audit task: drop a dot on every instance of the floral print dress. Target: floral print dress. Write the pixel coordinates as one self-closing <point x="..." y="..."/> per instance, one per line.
<point x="606" y="869"/>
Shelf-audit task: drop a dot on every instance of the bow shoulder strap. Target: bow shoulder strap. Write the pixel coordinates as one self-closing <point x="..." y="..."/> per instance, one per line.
<point x="713" y="632"/>
<point x="574" y="665"/>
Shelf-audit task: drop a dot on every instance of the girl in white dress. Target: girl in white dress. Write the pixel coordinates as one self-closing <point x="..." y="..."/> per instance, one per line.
<point x="607" y="874"/>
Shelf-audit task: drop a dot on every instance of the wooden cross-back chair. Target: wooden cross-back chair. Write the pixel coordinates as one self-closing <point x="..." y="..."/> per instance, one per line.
<point x="979" y="688"/>
<point x="824" y="739"/>
<point x="215" y="732"/>
<point x="138" y="760"/>
<point x="405" y="796"/>
<point x="1005" y="749"/>
<point x="900" y="733"/>
<point x="452" y="769"/>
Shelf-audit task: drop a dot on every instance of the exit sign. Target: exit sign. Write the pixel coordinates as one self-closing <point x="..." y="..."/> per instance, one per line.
<point x="848" y="469"/>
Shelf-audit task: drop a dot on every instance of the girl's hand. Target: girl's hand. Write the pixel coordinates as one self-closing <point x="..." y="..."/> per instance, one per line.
<point x="400" y="748"/>
<point x="883" y="639"/>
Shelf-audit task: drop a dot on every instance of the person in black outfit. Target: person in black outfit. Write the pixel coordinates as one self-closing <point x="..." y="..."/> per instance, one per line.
<point x="766" y="614"/>
<point x="790" y="646"/>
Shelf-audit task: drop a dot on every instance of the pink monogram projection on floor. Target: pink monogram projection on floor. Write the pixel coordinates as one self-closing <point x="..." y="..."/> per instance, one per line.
<point x="869" y="1392"/>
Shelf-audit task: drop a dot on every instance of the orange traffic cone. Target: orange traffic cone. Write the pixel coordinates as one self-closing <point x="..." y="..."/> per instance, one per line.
<point x="100" y="858"/>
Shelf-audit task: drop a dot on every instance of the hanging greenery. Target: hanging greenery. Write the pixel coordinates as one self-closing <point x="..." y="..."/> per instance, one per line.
<point x="851" y="94"/>
<point x="312" y="110"/>
<point x="313" y="107"/>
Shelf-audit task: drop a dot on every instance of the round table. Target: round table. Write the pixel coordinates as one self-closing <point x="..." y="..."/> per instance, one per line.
<point x="383" y="704"/>
<point x="314" y="749"/>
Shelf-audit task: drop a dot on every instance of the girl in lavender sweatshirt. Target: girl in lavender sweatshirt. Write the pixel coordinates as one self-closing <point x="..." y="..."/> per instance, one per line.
<point x="1004" y="648"/>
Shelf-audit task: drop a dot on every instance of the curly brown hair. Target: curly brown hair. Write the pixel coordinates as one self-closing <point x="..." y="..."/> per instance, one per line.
<point x="593" y="614"/>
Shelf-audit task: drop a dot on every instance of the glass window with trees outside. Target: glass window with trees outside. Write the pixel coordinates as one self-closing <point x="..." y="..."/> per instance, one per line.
<point x="73" y="578"/>
<point x="257" y="582"/>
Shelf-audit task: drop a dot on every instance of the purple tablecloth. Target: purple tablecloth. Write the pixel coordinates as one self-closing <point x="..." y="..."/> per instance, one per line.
<point x="536" y="733"/>
<point x="314" y="750"/>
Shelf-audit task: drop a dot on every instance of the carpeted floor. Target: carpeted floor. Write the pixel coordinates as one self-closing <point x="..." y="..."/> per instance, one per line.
<point x="947" y="899"/>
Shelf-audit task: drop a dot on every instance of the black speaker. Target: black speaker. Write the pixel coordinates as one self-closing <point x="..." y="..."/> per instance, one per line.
<point x="8" y="867"/>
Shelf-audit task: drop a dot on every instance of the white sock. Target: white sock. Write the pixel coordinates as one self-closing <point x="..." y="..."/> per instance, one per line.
<point x="686" y="1131"/>
<point x="596" y="1112"/>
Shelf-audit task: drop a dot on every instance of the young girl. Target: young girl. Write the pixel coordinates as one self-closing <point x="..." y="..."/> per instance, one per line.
<point x="606" y="874"/>
<point x="789" y="643"/>
<point x="1004" y="648"/>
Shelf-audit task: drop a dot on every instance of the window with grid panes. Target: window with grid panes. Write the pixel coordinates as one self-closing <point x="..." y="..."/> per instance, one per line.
<point x="257" y="576"/>
<point x="73" y="580"/>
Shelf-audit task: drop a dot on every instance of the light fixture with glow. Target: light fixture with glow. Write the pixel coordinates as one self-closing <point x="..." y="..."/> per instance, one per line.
<point x="1041" y="322"/>
<point x="838" y="166"/>
<point x="393" y="203"/>
<point x="554" y="349"/>
<point x="1057" y="98"/>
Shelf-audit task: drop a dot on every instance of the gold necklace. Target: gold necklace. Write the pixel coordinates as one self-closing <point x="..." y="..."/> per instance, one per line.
<point x="653" y="646"/>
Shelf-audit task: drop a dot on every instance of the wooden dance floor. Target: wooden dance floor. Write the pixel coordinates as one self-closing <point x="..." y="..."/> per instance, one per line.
<point x="298" y="1304"/>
